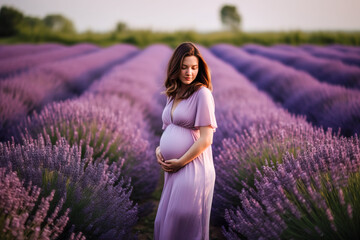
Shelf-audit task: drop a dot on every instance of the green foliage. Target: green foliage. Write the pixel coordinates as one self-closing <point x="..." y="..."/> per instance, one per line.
<point x="10" y="19"/>
<point x="230" y="18"/>
<point x="56" y="28"/>
<point x="121" y="27"/>
<point x="33" y="29"/>
<point x="344" y="208"/>
<point x="59" y="23"/>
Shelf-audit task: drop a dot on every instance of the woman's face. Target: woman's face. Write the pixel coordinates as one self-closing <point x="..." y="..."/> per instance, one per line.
<point x="189" y="69"/>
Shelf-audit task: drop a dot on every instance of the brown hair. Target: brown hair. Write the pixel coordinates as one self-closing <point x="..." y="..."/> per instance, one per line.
<point x="172" y="81"/>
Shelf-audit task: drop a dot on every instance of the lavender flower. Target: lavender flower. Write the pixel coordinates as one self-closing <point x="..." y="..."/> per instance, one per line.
<point x="323" y="52"/>
<point x="139" y="85"/>
<point x="297" y="91"/>
<point x="94" y="191"/>
<point x="20" y="50"/>
<point x="56" y="81"/>
<point x="15" y="65"/>
<point x="325" y="70"/>
<point x="345" y="48"/>
<point x="111" y="134"/>
<point x="117" y="130"/>
<point x="21" y="216"/>
<point x="312" y="192"/>
<point x="253" y="130"/>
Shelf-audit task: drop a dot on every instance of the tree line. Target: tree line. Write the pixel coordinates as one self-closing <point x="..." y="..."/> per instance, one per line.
<point x="16" y="27"/>
<point x="12" y="22"/>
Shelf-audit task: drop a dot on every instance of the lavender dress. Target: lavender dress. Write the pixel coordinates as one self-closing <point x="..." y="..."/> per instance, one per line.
<point x="185" y="204"/>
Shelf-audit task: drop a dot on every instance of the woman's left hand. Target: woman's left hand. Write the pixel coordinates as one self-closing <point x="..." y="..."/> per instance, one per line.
<point x="172" y="165"/>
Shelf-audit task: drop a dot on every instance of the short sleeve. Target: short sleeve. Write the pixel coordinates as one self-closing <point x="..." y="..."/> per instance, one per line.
<point x="164" y="125"/>
<point x="205" y="110"/>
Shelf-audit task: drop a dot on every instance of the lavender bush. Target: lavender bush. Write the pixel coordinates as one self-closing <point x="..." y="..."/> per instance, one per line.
<point x="242" y="155"/>
<point x="112" y="135"/>
<point x="94" y="191"/>
<point x="19" y="50"/>
<point x="240" y="103"/>
<point x="268" y="145"/>
<point x="21" y="216"/>
<point x="251" y="129"/>
<point x="288" y="174"/>
<point x="325" y="70"/>
<point x="16" y="65"/>
<point x="297" y="91"/>
<point x="56" y="81"/>
<point x="139" y="81"/>
<point x="140" y="86"/>
<point x="78" y="73"/>
<point x="311" y="196"/>
<point x="322" y="52"/>
<point x="345" y="48"/>
<point x="117" y="130"/>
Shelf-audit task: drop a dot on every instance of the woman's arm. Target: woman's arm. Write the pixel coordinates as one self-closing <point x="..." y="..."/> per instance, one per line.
<point x="204" y="141"/>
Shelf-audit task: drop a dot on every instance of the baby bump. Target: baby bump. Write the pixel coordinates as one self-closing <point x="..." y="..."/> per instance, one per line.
<point x="175" y="141"/>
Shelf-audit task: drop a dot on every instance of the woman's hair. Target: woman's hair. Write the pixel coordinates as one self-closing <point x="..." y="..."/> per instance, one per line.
<point x="172" y="81"/>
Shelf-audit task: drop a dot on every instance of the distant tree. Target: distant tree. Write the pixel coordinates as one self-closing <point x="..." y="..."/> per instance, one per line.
<point x="120" y="27"/>
<point x="230" y="18"/>
<point x="32" y="22"/>
<point x="10" y="20"/>
<point x="59" y="23"/>
<point x="32" y="26"/>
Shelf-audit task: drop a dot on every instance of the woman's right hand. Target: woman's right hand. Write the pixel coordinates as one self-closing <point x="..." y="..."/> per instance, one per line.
<point x="161" y="159"/>
<point x="159" y="156"/>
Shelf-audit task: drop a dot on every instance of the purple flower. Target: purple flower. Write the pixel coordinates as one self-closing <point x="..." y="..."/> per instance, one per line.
<point x="22" y="216"/>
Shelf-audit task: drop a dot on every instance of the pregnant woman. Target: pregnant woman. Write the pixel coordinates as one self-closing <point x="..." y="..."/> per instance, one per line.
<point x="185" y="152"/>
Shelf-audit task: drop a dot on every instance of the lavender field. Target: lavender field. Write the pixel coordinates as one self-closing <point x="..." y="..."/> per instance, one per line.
<point x="79" y="126"/>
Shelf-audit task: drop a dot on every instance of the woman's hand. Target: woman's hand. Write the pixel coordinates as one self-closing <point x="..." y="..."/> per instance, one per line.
<point x="172" y="165"/>
<point x="159" y="156"/>
<point x="160" y="159"/>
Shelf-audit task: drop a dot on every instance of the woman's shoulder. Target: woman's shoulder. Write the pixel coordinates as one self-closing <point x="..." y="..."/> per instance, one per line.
<point x="205" y="96"/>
<point x="204" y="91"/>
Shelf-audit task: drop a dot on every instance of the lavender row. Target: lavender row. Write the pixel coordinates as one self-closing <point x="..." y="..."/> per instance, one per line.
<point x="323" y="104"/>
<point x="113" y="134"/>
<point x="98" y="198"/>
<point x="345" y="49"/>
<point x="19" y="50"/>
<point x="111" y="117"/>
<point x="32" y="90"/>
<point x="140" y="86"/>
<point x="78" y="73"/>
<point x="236" y="95"/>
<point x="253" y="130"/>
<point x="138" y="82"/>
<point x="311" y="196"/>
<point x="16" y="204"/>
<point x="325" y="70"/>
<point x="16" y="65"/>
<point x="108" y="133"/>
<point x="270" y="144"/>
<point x="322" y="52"/>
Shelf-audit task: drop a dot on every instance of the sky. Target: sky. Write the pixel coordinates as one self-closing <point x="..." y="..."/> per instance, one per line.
<point x="198" y="15"/>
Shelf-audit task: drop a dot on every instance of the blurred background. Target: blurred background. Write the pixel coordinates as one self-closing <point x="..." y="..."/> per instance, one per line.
<point x="207" y="22"/>
<point x="82" y="77"/>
